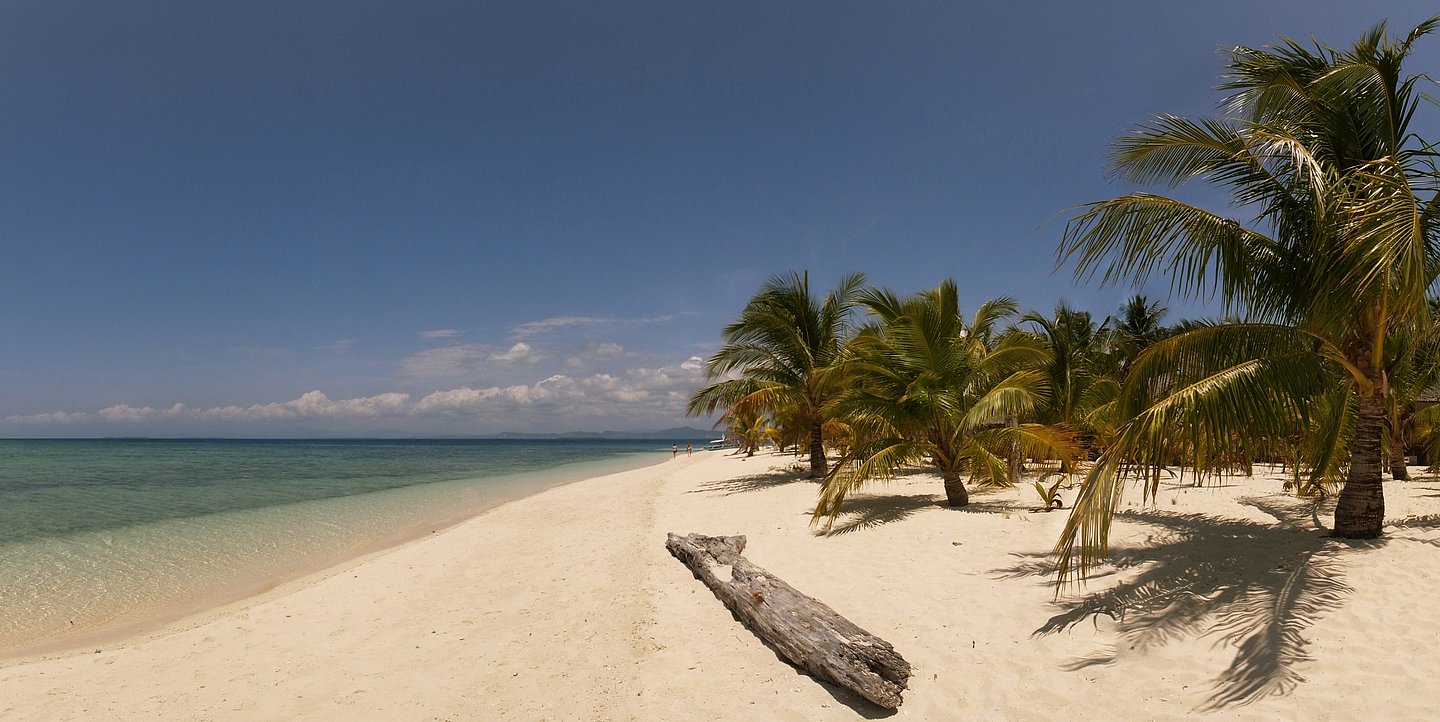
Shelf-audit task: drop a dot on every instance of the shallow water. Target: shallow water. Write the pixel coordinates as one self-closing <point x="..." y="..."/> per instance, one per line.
<point x="98" y="535"/>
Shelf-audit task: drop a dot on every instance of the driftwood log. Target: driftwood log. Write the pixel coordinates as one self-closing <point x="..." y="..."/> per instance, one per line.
<point x="802" y="629"/>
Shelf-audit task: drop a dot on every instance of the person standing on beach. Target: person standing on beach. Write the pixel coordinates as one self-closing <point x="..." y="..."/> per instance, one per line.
<point x="674" y="449"/>
<point x="689" y="448"/>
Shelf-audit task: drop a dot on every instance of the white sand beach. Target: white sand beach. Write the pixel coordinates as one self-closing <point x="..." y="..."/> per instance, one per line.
<point x="1222" y="602"/>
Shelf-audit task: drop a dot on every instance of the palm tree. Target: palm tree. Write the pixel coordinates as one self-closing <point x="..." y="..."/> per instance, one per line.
<point x="925" y="387"/>
<point x="1418" y="376"/>
<point x="1117" y="343"/>
<point x="782" y="348"/>
<point x="751" y="429"/>
<point x="1137" y="326"/>
<point x="1329" y="273"/>
<point x="1078" y="362"/>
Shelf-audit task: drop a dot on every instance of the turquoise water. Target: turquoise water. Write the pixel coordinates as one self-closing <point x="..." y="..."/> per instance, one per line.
<point x="98" y="535"/>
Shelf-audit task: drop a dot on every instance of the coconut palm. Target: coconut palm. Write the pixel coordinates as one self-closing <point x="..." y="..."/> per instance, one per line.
<point x="1076" y="345"/>
<point x="1424" y="433"/>
<point x="782" y="347"/>
<point x="751" y="429"/>
<point x="1330" y="271"/>
<point x="1119" y="342"/>
<point x="1137" y="326"/>
<point x="1080" y="364"/>
<point x="1409" y="382"/>
<point x="923" y="386"/>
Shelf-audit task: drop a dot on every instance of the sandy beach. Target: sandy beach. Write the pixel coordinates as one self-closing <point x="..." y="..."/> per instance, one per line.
<point x="1222" y="602"/>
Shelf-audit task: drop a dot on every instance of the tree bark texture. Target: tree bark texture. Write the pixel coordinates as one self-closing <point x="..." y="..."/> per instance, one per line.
<point x="1360" y="510"/>
<point x="1016" y="459"/>
<point x="1398" y="471"/>
<point x="800" y="628"/>
<point x="819" y="466"/>
<point x="955" y="493"/>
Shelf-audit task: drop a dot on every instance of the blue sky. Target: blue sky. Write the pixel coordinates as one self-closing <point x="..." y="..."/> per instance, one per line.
<point x="320" y="218"/>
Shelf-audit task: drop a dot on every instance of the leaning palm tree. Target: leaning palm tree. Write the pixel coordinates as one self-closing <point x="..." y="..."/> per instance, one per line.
<point x="1331" y="269"/>
<point x="780" y="352"/>
<point x="925" y="387"/>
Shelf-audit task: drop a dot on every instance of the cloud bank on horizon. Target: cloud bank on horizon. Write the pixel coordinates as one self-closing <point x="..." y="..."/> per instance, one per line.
<point x="558" y="402"/>
<point x="561" y="377"/>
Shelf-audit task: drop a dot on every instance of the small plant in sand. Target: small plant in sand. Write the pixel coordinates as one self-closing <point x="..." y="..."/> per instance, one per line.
<point x="1050" y="495"/>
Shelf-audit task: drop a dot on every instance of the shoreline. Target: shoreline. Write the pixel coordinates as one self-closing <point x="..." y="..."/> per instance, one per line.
<point x="565" y="605"/>
<point x="279" y="580"/>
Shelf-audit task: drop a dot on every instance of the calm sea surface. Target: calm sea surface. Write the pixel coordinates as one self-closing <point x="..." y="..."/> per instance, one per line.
<point x="99" y="535"/>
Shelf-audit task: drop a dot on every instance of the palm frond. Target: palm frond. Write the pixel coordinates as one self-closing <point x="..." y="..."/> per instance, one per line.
<point x="877" y="460"/>
<point x="1129" y="238"/>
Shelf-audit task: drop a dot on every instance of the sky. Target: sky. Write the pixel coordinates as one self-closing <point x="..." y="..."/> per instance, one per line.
<point x="309" y="218"/>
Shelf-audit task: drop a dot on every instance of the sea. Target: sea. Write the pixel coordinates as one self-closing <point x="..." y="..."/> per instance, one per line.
<point x="100" y="538"/>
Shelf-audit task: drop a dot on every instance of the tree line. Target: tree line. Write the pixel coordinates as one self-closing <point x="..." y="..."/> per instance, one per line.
<point x="1325" y="263"/>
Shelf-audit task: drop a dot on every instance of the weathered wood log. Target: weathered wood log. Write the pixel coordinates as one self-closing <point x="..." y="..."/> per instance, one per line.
<point x="805" y="631"/>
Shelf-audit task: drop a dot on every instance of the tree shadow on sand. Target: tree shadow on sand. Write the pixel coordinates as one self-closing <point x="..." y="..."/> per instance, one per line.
<point x="867" y="512"/>
<point x="752" y="482"/>
<point x="1401" y="530"/>
<point x="875" y="511"/>
<point x="1258" y="586"/>
<point x="981" y="505"/>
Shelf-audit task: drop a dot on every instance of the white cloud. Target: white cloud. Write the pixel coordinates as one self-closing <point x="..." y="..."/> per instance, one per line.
<point x="694" y="363"/>
<point x="447" y="361"/>
<point x="341" y="346"/>
<point x="594" y="352"/>
<point x="50" y="419"/>
<point x="314" y="405"/>
<point x="554" y="323"/>
<point x="559" y="400"/>
<point x="465" y="360"/>
<point x="545" y="326"/>
<point x="310" y="405"/>
<point x="439" y="333"/>
<point x="454" y="400"/>
<point x="519" y="353"/>
<point x="123" y="414"/>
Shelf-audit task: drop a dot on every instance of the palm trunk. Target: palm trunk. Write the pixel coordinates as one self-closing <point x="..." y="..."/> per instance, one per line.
<point x="1398" y="471"/>
<point x="1017" y="466"/>
<point x="955" y="494"/>
<point x="1360" y="511"/>
<point x="819" y="466"/>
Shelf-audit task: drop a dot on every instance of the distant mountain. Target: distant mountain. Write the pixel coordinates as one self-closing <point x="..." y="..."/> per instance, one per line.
<point x="679" y="433"/>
